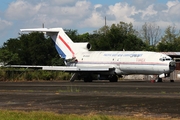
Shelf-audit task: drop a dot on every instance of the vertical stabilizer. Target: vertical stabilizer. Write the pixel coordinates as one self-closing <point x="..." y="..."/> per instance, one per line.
<point x="63" y="44"/>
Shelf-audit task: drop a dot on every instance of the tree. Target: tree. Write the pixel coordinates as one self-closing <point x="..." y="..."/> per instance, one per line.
<point x="170" y="41"/>
<point x="150" y="33"/>
<point x="9" y="52"/>
<point x="31" y="49"/>
<point x="119" y="37"/>
<point x="36" y="49"/>
<point x="73" y="34"/>
<point x="7" y="57"/>
<point x="170" y="34"/>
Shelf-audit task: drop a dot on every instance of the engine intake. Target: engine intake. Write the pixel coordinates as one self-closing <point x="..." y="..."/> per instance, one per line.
<point x="88" y="46"/>
<point x="83" y="46"/>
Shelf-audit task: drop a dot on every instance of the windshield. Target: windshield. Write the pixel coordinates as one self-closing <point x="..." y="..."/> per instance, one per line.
<point x="165" y="59"/>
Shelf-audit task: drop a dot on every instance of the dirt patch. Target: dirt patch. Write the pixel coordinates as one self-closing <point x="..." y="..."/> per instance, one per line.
<point x="122" y="98"/>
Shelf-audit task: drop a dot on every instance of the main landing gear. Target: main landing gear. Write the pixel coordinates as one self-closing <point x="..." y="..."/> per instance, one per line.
<point x="158" y="79"/>
<point x="113" y="78"/>
<point x="171" y="80"/>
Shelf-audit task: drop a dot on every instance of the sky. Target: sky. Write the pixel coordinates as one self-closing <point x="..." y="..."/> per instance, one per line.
<point x="84" y="15"/>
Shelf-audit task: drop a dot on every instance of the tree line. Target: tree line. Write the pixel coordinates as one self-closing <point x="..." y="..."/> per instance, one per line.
<point x="37" y="49"/>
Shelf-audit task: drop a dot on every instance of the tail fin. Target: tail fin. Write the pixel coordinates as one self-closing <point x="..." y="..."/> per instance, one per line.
<point x="63" y="44"/>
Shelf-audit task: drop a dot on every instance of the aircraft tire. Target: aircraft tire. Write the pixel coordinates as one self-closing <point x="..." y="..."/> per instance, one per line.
<point x="171" y="80"/>
<point x="159" y="80"/>
<point x="113" y="78"/>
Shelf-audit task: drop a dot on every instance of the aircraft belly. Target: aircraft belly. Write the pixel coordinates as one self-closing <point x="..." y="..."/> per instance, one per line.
<point x="161" y="69"/>
<point x="143" y="69"/>
<point x="96" y="68"/>
<point x="131" y="69"/>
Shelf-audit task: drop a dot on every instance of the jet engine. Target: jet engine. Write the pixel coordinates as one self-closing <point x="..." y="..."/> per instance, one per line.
<point x="86" y="46"/>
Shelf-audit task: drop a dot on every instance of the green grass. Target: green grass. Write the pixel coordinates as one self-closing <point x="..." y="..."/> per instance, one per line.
<point x="38" y="115"/>
<point x="163" y="92"/>
<point x="69" y="89"/>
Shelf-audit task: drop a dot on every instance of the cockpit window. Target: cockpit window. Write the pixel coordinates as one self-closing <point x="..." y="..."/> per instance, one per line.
<point x="165" y="59"/>
<point x="161" y="59"/>
<point x="168" y="59"/>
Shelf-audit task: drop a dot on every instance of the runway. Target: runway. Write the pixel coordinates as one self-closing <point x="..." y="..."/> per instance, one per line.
<point x="64" y="97"/>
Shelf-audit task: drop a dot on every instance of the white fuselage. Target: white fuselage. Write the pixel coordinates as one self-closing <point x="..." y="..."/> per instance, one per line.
<point x="78" y="58"/>
<point x="126" y="62"/>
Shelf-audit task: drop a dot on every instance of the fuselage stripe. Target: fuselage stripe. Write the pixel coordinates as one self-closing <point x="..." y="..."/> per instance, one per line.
<point x="69" y="48"/>
<point x="125" y="63"/>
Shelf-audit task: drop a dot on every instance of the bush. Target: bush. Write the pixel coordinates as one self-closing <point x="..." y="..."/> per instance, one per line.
<point x="9" y="74"/>
<point x="2" y="75"/>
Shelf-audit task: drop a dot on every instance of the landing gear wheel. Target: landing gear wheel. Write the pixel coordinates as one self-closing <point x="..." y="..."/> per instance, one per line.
<point x="113" y="78"/>
<point x="159" y="80"/>
<point x="171" y="80"/>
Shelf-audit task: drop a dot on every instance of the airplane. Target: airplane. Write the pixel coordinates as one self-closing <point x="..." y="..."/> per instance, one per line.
<point x="107" y="65"/>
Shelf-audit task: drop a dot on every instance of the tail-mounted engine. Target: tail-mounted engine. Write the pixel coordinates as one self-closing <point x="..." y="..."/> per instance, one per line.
<point x="83" y="46"/>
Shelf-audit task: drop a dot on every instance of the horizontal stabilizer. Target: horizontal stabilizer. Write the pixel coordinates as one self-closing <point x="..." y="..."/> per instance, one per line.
<point x="42" y="30"/>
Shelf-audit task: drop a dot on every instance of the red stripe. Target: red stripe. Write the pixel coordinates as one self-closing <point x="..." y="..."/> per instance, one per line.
<point x="66" y="45"/>
<point x="130" y="63"/>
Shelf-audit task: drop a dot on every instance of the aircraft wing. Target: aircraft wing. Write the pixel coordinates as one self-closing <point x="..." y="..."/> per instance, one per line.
<point x="66" y="68"/>
<point x="69" y="68"/>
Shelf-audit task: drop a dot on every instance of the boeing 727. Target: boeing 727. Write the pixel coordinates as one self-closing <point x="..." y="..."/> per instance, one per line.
<point x="86" y="64"/>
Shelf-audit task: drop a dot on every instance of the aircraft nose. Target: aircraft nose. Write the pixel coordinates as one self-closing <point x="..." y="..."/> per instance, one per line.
<point x="172" y="66"/>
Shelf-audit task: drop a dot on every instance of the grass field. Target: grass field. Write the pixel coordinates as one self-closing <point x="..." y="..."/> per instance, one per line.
<point x="38" y="115"/>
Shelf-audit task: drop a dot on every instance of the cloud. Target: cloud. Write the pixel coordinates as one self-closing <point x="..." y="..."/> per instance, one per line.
<point x="83" y="14"/>
<point x="140" y="4"/>
<point x="114" y="14"/>
<point x="49" y="12"/>
<point x="137" y="12"/>
<point x="175" y="9"/>
<point x="172" y="3"/>
<point x="22" y="10"/>
<point x="163" y="14"/>
<point x="62" y="2"/>
<point x="94" y="19"/>
<point x="4" y="24"/>
<point x="122" y="12"/>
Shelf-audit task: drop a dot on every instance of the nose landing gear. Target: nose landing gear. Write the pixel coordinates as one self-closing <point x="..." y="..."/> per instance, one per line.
<point x="159" y="79"/>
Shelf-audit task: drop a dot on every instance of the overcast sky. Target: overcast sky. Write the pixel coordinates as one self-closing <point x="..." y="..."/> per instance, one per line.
<point x="84" y="15"/>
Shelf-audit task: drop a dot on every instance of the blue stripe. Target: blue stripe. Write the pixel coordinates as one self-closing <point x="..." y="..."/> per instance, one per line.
<point x="60" y="52"/>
